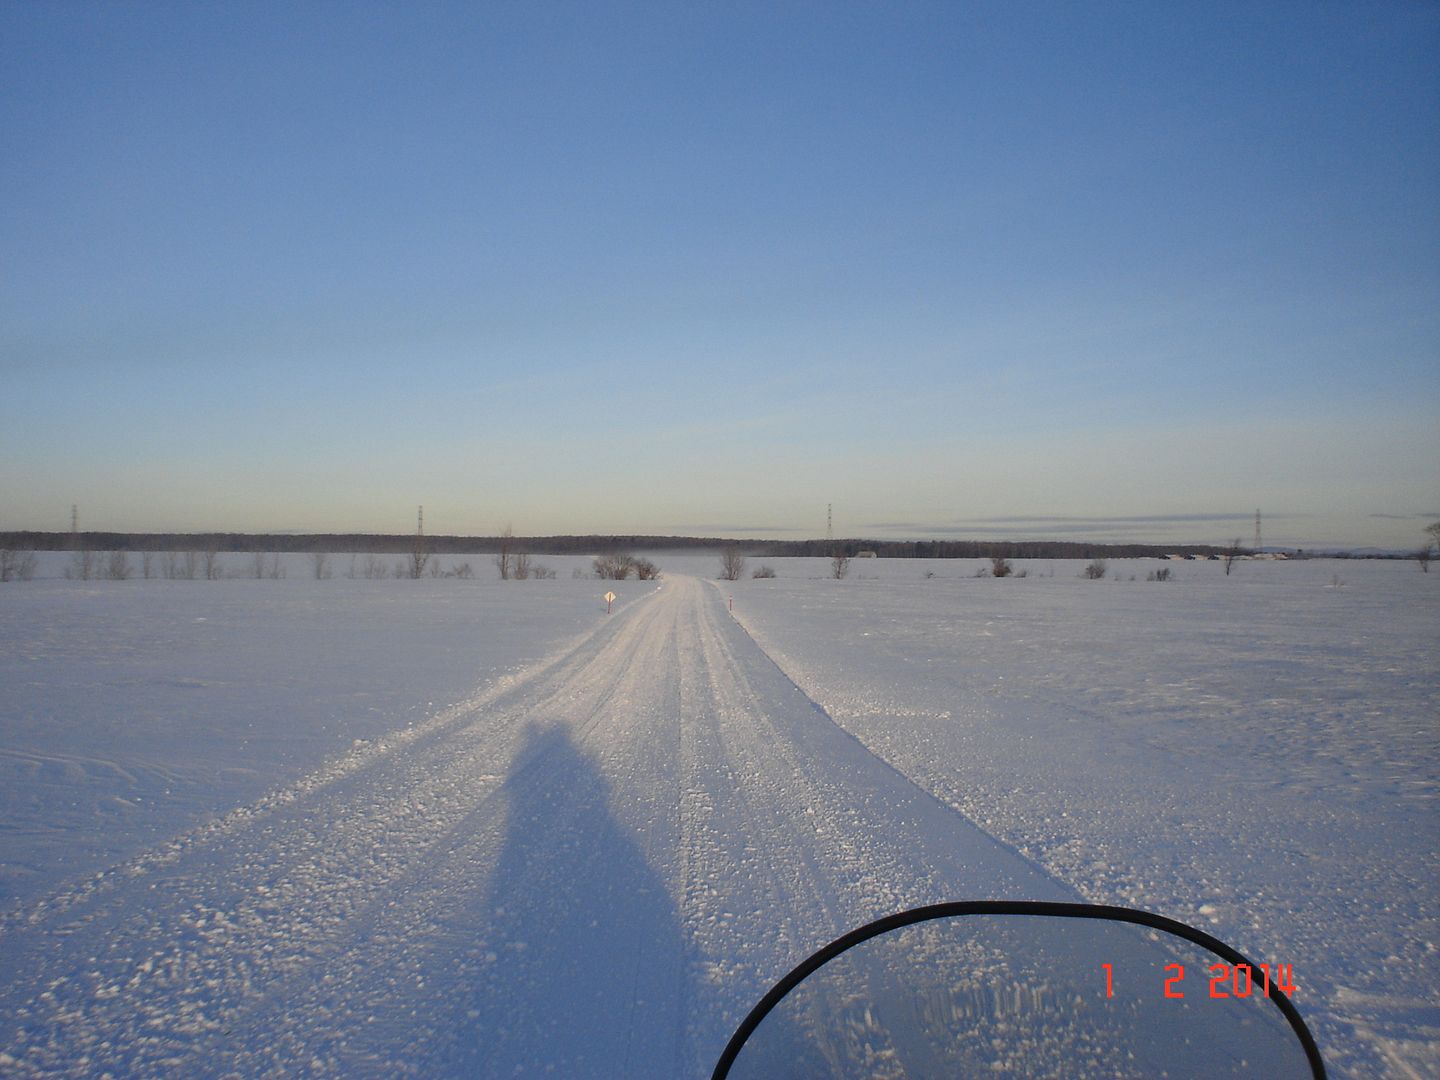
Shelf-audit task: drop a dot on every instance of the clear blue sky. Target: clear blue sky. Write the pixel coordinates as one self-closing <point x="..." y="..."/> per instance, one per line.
<point x="1114" y="271"/>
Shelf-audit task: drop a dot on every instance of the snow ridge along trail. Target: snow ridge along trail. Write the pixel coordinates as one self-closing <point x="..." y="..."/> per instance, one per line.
<point x="594" y="868"/>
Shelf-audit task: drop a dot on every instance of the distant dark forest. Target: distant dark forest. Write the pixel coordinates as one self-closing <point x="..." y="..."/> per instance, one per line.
<point x="399" y="544"/>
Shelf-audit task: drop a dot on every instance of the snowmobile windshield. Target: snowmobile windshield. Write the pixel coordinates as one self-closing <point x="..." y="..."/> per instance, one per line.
<point x="1022" y="989"/>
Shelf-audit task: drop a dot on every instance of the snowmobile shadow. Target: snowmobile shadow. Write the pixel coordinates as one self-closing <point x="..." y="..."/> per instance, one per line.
<point x="585" y="957"/>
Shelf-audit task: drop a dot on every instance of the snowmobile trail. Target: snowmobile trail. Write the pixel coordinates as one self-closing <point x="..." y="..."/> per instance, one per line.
<point x="591" y="870"/>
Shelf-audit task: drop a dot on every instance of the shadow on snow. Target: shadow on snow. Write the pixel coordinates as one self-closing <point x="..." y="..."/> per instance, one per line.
<point x="583" y="973"/>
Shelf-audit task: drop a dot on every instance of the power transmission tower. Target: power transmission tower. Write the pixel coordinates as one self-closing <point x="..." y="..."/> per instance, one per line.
<point x="829" y="524"/>
<point x="1257" y="530"/>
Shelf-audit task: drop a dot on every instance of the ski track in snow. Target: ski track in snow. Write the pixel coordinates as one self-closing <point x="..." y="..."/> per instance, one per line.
<point x="594" y="868"/>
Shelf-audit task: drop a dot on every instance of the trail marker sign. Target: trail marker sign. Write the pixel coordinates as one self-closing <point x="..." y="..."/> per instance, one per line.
<point x="609" y="599"/>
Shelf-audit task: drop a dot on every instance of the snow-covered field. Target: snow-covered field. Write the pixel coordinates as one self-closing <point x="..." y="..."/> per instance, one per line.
<point x="130" y="710"/>
<point x="448" y="827"/>
<point x="1257" y="754"/>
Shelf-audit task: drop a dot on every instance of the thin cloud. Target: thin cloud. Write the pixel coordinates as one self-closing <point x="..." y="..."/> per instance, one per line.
<point x="1046" y="524"/>
<point x="1053" y="531"/>
<point x="1134" y="519"/>
<point x="712" y="528"/>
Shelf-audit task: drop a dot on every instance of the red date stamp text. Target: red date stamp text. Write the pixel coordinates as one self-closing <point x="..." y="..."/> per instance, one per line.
<point x="1225" y="980"/>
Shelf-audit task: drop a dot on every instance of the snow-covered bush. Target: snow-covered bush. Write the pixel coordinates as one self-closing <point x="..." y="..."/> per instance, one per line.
<point x="732" y="564"/>
<point x="614" y="567"/>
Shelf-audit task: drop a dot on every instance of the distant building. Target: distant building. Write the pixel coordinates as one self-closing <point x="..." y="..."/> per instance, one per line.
<point x="866" y="555"/>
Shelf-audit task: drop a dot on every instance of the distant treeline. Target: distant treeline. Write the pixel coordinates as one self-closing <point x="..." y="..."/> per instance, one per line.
<point x="399" y="544"/>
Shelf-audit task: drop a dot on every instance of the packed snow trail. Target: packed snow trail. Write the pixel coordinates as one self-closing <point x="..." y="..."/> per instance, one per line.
<point x="592" y="869"/>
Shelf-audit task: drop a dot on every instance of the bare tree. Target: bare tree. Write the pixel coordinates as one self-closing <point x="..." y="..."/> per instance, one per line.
<point x="1232" y="552"/>
<point x="147" y="564"/>
<point x="320" y="564"/>
<point x="614" y="567"/>
<point x="16" y="565"/>
<point x="82" y="564"/>
<point x="419" y="557"/>
<point x="505" y="553"/>
<point x="117" y="566"/>
<point x="374" y="569"/>
<point x="732" y="563"/>
<point x="189" y="565"/>
<point x="1000" y="566"/>
<point x="839" y="564"/>
<point x="259" y="565"/>
<point x="510" y="558"/>
<point x="1096" y="570"/>
<point x="646" y="570"/>
<point x="1433" y="531"/>
<point x="170" y="565"/>
<point x="213" y="570"/>
<point x="763" y="572"/>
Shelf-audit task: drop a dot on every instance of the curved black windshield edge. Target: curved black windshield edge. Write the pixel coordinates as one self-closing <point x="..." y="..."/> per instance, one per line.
<point x="1052" y="909"/>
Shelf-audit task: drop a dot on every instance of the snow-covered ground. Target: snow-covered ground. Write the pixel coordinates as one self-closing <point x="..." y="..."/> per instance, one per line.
<point x="130" y="710"/>
<point x="449" y="827"/>
<point x="1258" y="754"/>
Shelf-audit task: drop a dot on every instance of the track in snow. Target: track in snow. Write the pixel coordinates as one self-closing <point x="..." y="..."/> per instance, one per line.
<point x="595" y="868"/>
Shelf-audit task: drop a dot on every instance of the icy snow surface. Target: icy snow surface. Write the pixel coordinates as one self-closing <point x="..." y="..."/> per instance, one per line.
<point x="477" y="828"/>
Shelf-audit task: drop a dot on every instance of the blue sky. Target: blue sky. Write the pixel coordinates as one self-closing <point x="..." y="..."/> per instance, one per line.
<point x="1116" y="271"/>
